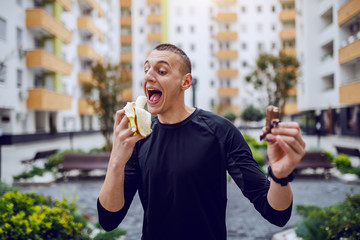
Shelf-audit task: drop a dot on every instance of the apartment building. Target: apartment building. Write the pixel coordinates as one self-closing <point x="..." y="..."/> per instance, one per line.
<point x="47" y="48"/>
<point x="328" y="47"/>
<point x="222" y="38"/>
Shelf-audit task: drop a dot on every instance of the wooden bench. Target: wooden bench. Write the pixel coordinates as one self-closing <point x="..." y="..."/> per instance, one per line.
<point x="314" y="160"/>
<point x="40" y="155"/>
<point x="348" y="151"/>
<point x="84" y="161"/>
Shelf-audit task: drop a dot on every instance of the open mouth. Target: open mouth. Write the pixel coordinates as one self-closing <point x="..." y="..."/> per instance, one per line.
<point x="154" y="95"/>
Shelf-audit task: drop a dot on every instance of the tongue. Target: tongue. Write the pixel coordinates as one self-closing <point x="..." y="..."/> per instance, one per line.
<point x="155" y="97"/>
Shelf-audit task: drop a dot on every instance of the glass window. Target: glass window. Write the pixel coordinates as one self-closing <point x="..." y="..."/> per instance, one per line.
<point x="19" y="78"/>
<point x="259" y="9"/>
<point x="2" y="73"/>
<point x="19" y="37"/>
<point x="19" y="2"/>
<point x="2" y="29"/>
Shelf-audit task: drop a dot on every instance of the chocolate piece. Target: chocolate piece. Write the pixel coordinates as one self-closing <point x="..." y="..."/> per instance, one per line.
<point x="272" y="120"/>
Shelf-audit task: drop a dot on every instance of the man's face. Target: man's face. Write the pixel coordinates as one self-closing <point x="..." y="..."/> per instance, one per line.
<point x="162" y="81"/>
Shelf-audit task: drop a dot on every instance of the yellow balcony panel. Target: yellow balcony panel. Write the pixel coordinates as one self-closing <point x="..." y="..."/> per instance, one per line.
<point x="84" y="107"/>
<point x="153" y="1"/>
<point x="225" y="1"/>
<point x="228" y="92"/>
<point x="126" y="57"/>
<point x="348" y="11"/>
<point x="39" y="58"/>
<point x="125" y="21"/>
<point x="226" y="54"/>
<point x="87" y="52"/>
<point x="126" y="75"/>
<point x="292" y="91"/>
<point x="66" y="4"/>
<point x="287" y="15"/>
<point x="350" y="52"/>
<point x="227" y="73"/>
<point x="47" y="100"/>
<point x="39" y="18"/>
<point x="349" y="93"/>
<point x="125" y="3"/>
<point x="126" y="39"/>
<point x="289" y="51"/>
<point x="290" y="108"/>
<point x="287" y="34"/>
<point x="154" y="37"/>
<point x="85" y="23"/>
<point x="85" y="78"/>
<point x="127" y="95"/>
<point x="222" y="108"/>
<point x="287" y="1"/>
<point x="153" y="18"/>
<point x="227" y="35"/>
<point x="226" y="17"/>
<point x="99" y="9"/>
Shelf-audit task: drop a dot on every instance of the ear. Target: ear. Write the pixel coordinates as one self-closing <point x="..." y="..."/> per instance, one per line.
<point x="186" y="81"/>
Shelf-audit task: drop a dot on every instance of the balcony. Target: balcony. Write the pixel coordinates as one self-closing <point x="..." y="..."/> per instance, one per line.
<point x="84" y="107"/>
<point x="289" y="51"/>
<point x="125" y="21"/>
<point x="287" y="15"/>
<point x="85" y="24"/>
<point x="227" y="73"/>
<point x="287" y="34"/>
<point x="222" y="108"/>
<point x="227" y="36"/>
<point x="125" y="57"/>
<point x="349" y="93"/>
<point x="153" y="1"/>
<point x="126" y="39"/>
<point x="66" y="4"/>
<point x="348" y="11"/>
<point x="125" y="3"/>
<point x="227" y="54"/>
<point x="350" y="52"/>
<point x="47" y="100"/>
<point x="287" y="1"/>
<point x="226" y="17"/>
<point x="228" y="92"/>
<point x="85" y="78"/>
<point x="127" y="95"/>
<point x="290" y="108"/>
<point x="154" y="37"/>
<point x="39" y="18"/>
<point x="87" y="52"/>
<point x="225" y="1"/>
<point x="41" y="59"/>
<point x="153" y="18"/>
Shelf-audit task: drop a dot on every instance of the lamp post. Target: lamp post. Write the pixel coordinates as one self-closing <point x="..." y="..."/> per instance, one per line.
<point x="194" y="83"/>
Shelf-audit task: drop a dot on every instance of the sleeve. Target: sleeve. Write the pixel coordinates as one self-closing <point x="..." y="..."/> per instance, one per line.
<point x="250" y="179"/>
<point x="111" y="220"/>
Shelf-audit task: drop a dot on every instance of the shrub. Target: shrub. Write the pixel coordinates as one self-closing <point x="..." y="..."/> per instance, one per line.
<point x="340" y="221"/>
<point x="230" y="116"/>
<point x="35" y="171"/>
<point x="4" y="187"/>
<point x="260" y="157"/>
<point x="57" y="158"/>
<point x="251" y="113"/>
<point x="343" y="163"/>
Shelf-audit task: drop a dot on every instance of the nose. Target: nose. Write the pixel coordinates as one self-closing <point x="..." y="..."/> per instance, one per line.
<point x="149" y="75"/>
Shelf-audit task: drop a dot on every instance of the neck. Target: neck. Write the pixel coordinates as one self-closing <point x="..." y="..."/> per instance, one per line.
<point x="179" y="115"/>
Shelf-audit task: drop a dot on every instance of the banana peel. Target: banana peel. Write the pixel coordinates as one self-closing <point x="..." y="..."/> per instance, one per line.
<point x="139" y="118"/>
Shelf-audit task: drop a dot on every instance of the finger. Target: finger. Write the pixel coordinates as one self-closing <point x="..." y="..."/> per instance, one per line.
<point x="290" y="145"/>
<point x="118" y="116"/>
<point x="124" y="123"/>
<point x="290" y="129"/>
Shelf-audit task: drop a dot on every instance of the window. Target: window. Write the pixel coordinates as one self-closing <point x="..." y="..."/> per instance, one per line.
<point x="273" y="9"/>
<point x="19" y="2"/>
<point x="192" y="47"/>
<point x="244" y="46"/>
<point x="192" y="29"/>
<point x="273" y="27"/>
<point x="19" y="78"/>
<point x="260" y="47"/>
<point x="178" y="29"/>
<point x="243" y="9"/>
<point x="259" y="9"/>
<point x="273" y="45"/>
<point x="244" y="64"/>
<point x="2" y="74"/>
<point x="19" y="37"/>
<point x="2" y="29"/>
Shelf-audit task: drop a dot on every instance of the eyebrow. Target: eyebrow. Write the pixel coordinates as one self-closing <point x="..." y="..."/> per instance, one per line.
<point x="159" y="62"/>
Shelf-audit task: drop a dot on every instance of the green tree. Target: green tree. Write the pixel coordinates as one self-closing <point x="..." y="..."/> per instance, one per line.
<point x="104" y="95"/>
<point x="274" y="75"/>
<point x="252" y="113"/>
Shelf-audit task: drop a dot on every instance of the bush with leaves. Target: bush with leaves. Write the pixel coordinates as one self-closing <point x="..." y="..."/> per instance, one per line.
<point x="230" y="116"/>
<point x="340" y="221"/>
<point x="343" y="164"/>
<point x="252" y="113"/>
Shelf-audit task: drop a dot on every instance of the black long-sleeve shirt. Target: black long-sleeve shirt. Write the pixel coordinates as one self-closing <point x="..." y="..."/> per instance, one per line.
<point x="180" y="173"/>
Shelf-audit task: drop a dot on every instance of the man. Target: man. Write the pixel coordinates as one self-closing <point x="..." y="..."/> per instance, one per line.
<point x="180" y="169"/>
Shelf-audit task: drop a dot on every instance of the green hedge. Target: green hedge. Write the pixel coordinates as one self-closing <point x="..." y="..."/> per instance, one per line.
<point x="340" y="221"/>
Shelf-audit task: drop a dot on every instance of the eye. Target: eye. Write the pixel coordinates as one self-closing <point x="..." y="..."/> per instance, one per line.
<point x="146" y="70"/>
<point x="162" y="72"/>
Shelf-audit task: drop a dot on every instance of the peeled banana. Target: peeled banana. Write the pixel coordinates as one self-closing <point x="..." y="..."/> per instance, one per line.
<point x="139" y="118"/>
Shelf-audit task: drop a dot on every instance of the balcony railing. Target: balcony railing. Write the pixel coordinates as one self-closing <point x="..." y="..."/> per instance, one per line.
<point x="349" y="93"/>
<point x="225" y="1"/>
<point x="126" y="57"/>
<point x="39" y="18"/>
<point x="125" y="3"/>
<point x="87" y="52"/>
<point x="85" y="23"/>
<point x="226" y="17"/>
<point x="290" y="108"/>
<point x="39" y="58"/>
<point x="227" y="35"/>
<point x="289" y="51"/>
<point x="287" y="34"/>
<point x="227" y="54"/>
<point x="221" y="109"/>
<point x="153" y="1"/>
<point x="287" y="15"/>
<point x="153" y="18"/>
<point x="154" y="37"/>
<point x="127" y="95"/>
<point x="348" y="11"/>
<point x="66" y="4"/>
<point x="125" y="21"/>
<point x="126" y="39"/>
<point x="228" y="92"/>
<point x="85" y="77"/>
<point x="92" y="4"/>
<point x="227" y="73"/>
<point x="350" y="52"/>
<point x="47" y="100"/>
<point x="84" y="107"/>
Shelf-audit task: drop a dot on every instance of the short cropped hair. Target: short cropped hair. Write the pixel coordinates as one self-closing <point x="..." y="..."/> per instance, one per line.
<point x="186" y="66"/>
